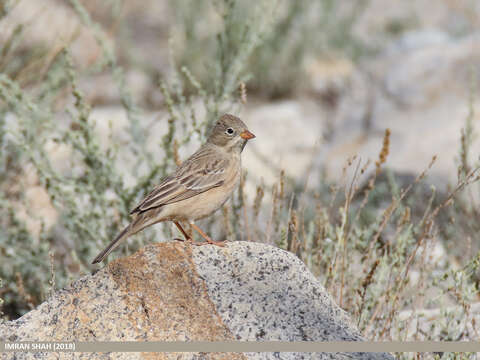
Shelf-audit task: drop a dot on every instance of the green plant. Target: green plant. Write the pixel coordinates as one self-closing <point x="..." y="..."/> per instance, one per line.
<point x="1" y="304"/>
<point x="291" y="34"/>
<point x="372" y="243"/>
<point x="90" y="196"/>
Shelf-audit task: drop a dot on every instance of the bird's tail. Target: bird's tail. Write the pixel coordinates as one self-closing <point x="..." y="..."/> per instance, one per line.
<point x="123" y="235"/>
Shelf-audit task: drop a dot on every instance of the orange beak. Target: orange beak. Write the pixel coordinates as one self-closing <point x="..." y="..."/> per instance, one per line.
<point x="247" y="135"/>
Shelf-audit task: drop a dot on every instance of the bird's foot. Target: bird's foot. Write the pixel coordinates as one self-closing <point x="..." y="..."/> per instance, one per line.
<point x="207" y="238"/>
<point x="212" y="242"/>
<point x="206" y="242"/>
<point x="187" y="240"/>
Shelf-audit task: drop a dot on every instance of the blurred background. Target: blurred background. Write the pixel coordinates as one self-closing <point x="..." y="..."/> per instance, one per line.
<point x="99" y="100"/>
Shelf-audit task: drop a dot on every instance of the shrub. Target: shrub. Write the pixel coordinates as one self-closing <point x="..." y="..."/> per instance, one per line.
<point x="372" y="242"/>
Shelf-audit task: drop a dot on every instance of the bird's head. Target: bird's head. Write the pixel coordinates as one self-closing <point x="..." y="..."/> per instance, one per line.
<point x="230" y="133"/>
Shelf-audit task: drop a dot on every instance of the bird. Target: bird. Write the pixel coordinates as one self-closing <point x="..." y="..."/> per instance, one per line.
<point x="197" y="188"/>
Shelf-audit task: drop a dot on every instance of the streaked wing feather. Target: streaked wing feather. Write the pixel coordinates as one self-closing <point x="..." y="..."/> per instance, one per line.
<point x="167" y="187"/>
<point x="201" y="172"/>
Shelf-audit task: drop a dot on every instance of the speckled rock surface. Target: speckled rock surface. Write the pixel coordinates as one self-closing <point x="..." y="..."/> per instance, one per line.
<point x="265" y="293"/>
<point x="172" y="291"/>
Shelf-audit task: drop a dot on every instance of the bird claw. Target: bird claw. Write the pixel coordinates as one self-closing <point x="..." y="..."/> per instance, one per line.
<point x="206" y="242"/>
<point x="212" y="242"/>
<point x="187" y="240"/>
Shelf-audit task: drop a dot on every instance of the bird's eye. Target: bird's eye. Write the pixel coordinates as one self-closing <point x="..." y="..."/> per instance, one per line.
<point x="229" y="131"/>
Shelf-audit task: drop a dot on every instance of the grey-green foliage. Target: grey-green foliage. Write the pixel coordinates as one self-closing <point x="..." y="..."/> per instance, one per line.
<point x="362" y="252"/>
<point x="306" y="31"/>
<point x="299" y="31"/>
<point x="462" y="225"/>
<point x="91" y="197"/>
<point x="383" y="264"/>
<point x="213" y="44"/>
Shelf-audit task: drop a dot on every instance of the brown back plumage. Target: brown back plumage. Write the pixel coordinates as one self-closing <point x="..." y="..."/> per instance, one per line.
<point x="203" y="171"/>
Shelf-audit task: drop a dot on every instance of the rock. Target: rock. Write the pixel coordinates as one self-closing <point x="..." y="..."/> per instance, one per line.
<point x="37" y="212"/>
<point x="175" y="292"/>
<point x="421" y="76"/>
<point x="418" y="39"/>
<point x="325" y="74"/>
<point x="421" y="91"/>
<point x="380" y="20"/>
<point x="51" y="24"/>
<point x="288" y="136"/>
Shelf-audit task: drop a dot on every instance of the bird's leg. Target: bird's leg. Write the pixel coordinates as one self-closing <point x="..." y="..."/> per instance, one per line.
<point x="188" y="238"/>
<point x="206" y="237"/>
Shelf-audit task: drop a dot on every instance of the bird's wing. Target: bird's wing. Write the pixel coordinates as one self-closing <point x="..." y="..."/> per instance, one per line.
<point x="203" y="171"/>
